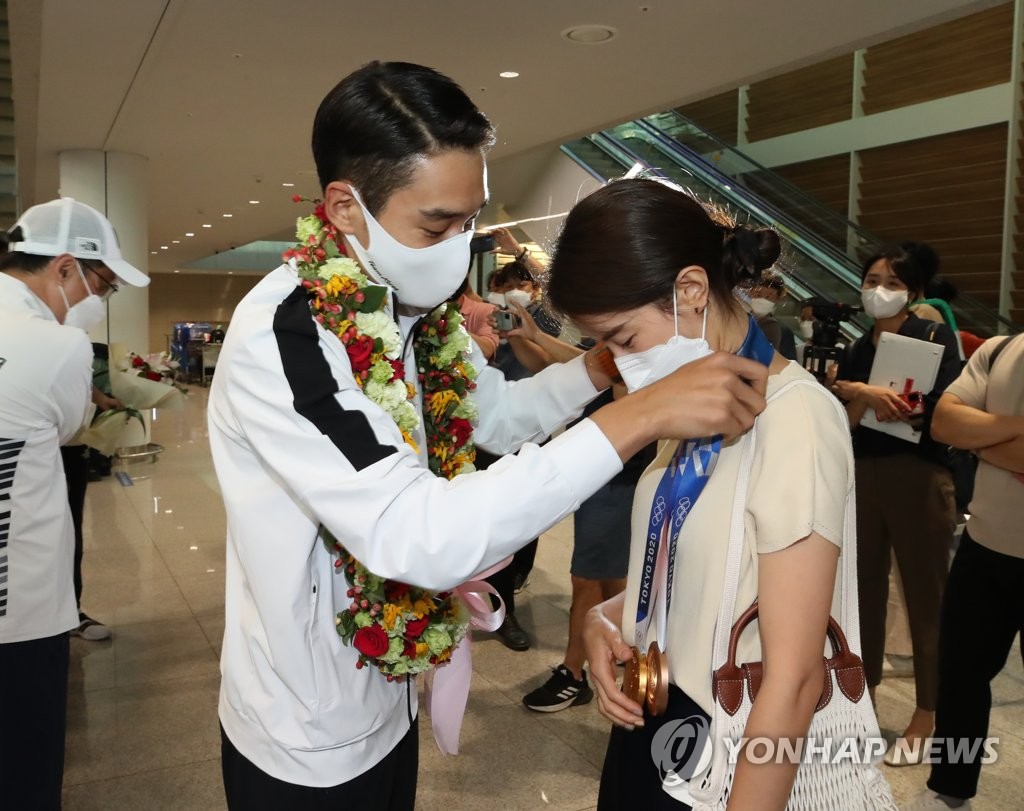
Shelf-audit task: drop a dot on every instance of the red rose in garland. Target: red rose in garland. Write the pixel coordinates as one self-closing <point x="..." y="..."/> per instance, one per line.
<point x="394" y="590"/>
<point x="359" y="352"/>
<point x="461" y="430"/>
<point x="371" y="641"/>
<point x="414" y="628"/>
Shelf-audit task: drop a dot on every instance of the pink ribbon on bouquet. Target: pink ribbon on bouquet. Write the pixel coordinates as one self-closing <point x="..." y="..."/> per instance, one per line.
<point x="447" y="686"/>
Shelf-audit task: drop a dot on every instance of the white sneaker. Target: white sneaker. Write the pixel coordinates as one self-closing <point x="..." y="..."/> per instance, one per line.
<point x="931" y="801"/>
<point x="90" y="630"/>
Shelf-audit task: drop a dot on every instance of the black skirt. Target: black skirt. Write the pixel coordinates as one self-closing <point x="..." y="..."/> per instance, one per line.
<point x="634" y="764"/>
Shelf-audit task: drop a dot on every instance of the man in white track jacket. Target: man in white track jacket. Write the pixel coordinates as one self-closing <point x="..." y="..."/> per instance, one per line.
<point x="299" y="447"/>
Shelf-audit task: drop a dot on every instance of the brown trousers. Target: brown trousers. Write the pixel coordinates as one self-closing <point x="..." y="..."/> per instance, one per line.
<point x="905" y="505"/>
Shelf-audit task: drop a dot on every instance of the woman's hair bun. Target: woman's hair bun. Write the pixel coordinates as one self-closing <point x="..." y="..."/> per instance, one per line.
<point x="746" y="251"/>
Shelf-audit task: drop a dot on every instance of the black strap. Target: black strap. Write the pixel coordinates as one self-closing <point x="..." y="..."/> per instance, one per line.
<point x="998" y="351"/>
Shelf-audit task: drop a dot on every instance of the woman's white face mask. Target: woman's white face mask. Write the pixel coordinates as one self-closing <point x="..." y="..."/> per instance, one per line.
<point x="420" y="277"/>
<point x="762" y="306"/>
<point x="882" y="303"/>
<point x="644" y="368"/>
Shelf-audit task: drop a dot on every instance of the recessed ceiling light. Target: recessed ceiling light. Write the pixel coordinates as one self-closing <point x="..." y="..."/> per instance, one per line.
<point x="163" y="247"/>
<point x="154" y="252"/>
<point x="228" y="216"/>
<point x="207" y="225"/>
<point x="254" y="202"/>
<point x="189" y="234"/>
<point x="509" y="74"/>
<point x="177" y="271"/>
<point x="590" y="34"/>
<point x="287" y="185"/>
<point x="175" y="241"/>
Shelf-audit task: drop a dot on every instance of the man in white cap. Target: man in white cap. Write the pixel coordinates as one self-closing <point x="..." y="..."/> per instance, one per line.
<point x="63" y="263"/>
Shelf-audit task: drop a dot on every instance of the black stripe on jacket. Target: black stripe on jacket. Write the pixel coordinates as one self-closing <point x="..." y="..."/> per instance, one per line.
<point x="314" y="387"/>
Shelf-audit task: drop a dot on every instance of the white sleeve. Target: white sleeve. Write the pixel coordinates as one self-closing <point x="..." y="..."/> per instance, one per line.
<point x="344" y="460"/>
<point x="71" y="390"/>
<point x="528" y="410"/>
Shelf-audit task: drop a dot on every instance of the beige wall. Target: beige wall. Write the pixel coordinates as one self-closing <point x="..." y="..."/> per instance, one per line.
<point x="192" y="297"/>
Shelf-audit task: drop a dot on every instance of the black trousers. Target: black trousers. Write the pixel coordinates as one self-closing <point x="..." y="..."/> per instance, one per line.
<point x="504" y="582"/>
<point x="982" y="613"/>
<point x="388" y="786"/>
<point x="76" y="471"/>
<point x="33" y="714"/>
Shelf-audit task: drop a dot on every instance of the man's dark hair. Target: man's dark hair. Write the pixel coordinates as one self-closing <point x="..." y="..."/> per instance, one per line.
<point x="378" y="121"/>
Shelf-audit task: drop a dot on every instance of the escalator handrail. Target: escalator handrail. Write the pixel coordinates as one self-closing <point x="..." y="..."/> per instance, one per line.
<point x="964" y="303"/>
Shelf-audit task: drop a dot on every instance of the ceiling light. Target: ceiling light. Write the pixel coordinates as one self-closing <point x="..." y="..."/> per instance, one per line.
<point x="509" y="74"/>
<point x="231" y="273"/>
<point x="254" y="202"/>
<point x="175" y="241"/>
<point x="207" y="225"/>
<point x="163" y="247"/>
<point x="177" y="271"/>
<point x="228" y="216"/>
<point x="154" y="252"/>
<point x="189" y="234"/>
<point x="590" y="34"/>
<point x="287" y="185"/>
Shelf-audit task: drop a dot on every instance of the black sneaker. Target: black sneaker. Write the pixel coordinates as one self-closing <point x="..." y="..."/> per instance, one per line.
<point x="559" y="692"/>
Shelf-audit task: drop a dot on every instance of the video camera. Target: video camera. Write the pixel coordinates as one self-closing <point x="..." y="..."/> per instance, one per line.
<point x="823" y="350"/>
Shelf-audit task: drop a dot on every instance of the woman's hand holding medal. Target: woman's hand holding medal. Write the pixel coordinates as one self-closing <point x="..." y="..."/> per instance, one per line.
<point x="605" y="649"/>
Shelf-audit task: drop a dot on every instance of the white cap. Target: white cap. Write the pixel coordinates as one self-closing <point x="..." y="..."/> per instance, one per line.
<point x="67" y="226"/>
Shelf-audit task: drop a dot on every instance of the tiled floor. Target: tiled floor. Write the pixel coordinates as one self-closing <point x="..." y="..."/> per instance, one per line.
<point x="142" y="720"/>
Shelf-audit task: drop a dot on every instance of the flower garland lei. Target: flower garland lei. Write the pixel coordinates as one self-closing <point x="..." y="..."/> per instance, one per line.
<point x="399" y="629"/>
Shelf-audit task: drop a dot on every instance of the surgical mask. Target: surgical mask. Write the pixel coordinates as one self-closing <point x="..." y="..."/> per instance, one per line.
<point x="881" y="303"/>
<point x="762" y="306"/>
<point x="497" y="299"/>
<point x="87" y="313"/>
<point x="420" y="277"/>
<point x="644" y="368"/>
<point x="520" y="297"/>
<point x="807" y="329"/>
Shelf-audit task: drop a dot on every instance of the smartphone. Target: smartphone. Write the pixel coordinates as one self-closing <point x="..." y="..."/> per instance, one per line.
<point x="482" y="243"/>
<point x="505" y="320"/>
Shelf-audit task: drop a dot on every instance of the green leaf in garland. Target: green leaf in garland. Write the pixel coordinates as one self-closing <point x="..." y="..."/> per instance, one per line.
<point x="378" y="345"/>
<point x="374" y="296"/>
<point x="331" y="249"/>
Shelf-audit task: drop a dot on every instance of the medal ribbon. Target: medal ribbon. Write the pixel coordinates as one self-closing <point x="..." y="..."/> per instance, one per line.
<point x="681" y="485"/>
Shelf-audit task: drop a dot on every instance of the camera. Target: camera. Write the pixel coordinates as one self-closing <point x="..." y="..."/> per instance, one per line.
<point x="823" y="351"/>
<point x="505" y="320"/>
<point x="482" y="243"/>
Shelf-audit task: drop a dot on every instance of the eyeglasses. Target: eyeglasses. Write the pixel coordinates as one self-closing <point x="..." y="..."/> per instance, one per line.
<point x="108" y="289"/>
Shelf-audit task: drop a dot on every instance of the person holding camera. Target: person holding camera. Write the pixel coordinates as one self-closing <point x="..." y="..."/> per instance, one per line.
<point x="905" y="494"/>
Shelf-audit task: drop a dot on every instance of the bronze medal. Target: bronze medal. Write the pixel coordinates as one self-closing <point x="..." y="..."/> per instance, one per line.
<point x="656" y="695"/>
<point x="634" y="682"/>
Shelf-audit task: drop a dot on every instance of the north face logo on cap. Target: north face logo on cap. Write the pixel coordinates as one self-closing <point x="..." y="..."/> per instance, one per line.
<point x="88" y="245"/>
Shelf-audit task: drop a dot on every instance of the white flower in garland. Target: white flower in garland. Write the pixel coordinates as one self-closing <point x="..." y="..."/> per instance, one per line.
<point x="383" y="326"/>
<point x="342" y="266"/>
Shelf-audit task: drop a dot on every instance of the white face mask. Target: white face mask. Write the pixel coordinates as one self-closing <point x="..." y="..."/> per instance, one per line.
<point x="807" y="329"/>
<point x="420" y="277"/>
<point x="644" y="368"/>
<point x="762" y="306"/>
<point x="520" y="297"/>
<point x="497" y="299"/>
<point x="881" y="303"/>
<point x="87" y="313"/>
